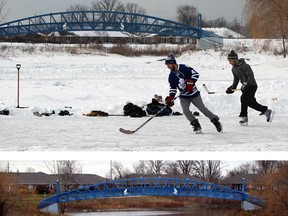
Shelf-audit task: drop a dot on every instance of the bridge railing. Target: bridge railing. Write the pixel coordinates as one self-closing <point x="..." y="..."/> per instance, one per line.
<point x="150" y="187"/>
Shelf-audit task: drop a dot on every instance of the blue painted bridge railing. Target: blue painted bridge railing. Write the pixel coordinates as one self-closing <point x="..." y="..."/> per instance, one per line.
<point x="103" y="21"/>
<point x="150" y="187"/>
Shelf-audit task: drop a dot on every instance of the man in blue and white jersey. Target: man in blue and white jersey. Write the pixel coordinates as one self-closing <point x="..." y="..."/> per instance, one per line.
<point x="183" y="78"/>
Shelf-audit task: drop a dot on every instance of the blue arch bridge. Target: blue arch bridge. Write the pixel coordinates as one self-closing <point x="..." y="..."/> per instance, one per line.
<point x="73" y="21"/>
<point x="136" y="187"/>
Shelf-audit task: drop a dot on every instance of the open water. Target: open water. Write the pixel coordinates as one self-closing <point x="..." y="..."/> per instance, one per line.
<point x="184" y="212"/>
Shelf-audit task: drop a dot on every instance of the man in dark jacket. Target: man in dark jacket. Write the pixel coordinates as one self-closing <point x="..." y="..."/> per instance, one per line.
<point x="242" y="72"/>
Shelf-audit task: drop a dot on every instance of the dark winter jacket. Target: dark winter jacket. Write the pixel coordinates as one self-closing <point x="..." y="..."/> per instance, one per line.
<point x="133" y="110"/>
<point x="243" y="73"/>
<point x="155" y="106"/>
<point x="177" y="80"/>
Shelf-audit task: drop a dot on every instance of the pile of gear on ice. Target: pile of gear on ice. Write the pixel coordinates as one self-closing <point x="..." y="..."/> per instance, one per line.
<point x="156" y="107"/>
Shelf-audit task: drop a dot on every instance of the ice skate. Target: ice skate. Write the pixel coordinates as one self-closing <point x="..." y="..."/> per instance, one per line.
<point x="217" y="124"/>
<point x="269" y="115"/>
<point x="243" y="121"/>
<point x="196" y="126"/>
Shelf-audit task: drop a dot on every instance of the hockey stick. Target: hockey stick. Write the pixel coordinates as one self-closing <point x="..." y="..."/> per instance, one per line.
<point x="213" y="92"/>
<point x="126" y="131"/>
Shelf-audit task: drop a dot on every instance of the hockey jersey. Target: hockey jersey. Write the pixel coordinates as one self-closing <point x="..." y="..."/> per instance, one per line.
<point x="178" y="80"/>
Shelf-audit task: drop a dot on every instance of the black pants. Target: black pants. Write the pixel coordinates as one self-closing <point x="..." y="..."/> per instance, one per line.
<point x="248" y="100"/>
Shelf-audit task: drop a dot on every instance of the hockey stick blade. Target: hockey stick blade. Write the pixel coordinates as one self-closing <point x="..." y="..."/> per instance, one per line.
<point x="209" y="92"/>
<point x="125" y="131"/>
<point x="122" y="130"/>
<point x="206" y="89"/>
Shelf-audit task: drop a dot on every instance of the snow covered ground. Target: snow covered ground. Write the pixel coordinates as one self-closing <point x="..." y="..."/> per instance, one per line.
<point x="57" y="80"/>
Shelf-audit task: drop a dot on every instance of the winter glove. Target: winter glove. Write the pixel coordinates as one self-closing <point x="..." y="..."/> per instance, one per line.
<point x="229" y="90"/>
<point x="189" y="85"/>
<point x="244" y="87"/>
<point x="169" y="101"/>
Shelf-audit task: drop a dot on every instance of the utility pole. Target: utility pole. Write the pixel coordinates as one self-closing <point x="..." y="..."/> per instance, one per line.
<point x="111" y="169"/>
<point x="17" y="185"/>
<point x="8" y="167"/>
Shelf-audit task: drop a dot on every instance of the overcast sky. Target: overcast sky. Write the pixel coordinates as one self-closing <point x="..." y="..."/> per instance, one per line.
<point x="98" y="167"/>
<point x="210" y="9"/>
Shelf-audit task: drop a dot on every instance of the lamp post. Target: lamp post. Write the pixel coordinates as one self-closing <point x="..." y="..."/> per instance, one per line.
<point x="243" y="185"/>
<point x="18" y="66"/>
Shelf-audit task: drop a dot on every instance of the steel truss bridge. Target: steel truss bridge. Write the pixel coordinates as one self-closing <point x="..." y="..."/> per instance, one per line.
<point x="104" y="21"/>
<point x="136" y="187"/>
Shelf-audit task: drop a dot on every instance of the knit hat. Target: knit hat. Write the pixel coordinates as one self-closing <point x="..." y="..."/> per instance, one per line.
<point x="170" y="59"/>
<point x="232" y="55"/>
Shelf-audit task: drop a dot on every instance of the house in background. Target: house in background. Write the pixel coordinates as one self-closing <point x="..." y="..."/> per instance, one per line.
<point x="252" y="182"/>
<point x="114" y="37"/>
<point x="40" y="182"/>
<point x="31" y="182"/>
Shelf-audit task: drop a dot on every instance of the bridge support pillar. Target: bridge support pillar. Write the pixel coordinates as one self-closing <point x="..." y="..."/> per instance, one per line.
<point x="248" y="206"/>
<point x="52" y="209"/>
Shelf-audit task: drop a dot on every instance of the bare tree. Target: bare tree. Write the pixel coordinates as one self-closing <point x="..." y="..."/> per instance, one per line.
<point x="110" y="6"/>
<point x="2" y="4"/>
<point x="6" y="198"/>
<point x="172" y="167"/>
<point x="107" y="5"/>
<point x="187" y="14"/>
<point x="150" y="167"/>
<point x="76" y="7"/>
<point x="66" y="169"/>
<point x="207" y="170"/>
<point x="186" y="166"/>
<point x="266" y="167"/>
<point x="268" y="19"/>
<point x="139" y="167"/>
<point x="213" y="171"/>
<point x="69" y="166"/>
<point x="52" y="167"/>
<point x="236" y="25"/>
<point x="245" y="168"/>
<point x="134" y="8"/>
<point x="217" y="23"/>
<point x="199" y="169"/>
<point x="277" y="199"/>
<point x="119" y="170"/>
<point x="256" y="167"/>
<point x="63" y="171"/>
<point x="30" y="170"/>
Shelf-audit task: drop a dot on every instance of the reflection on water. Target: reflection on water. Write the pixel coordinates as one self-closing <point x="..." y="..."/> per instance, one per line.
<point x="190" y="212"/>
<point x="128" y="213"/>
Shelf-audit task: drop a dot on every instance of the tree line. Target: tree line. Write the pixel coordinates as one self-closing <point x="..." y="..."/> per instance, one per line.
<point x="207" y="170"/>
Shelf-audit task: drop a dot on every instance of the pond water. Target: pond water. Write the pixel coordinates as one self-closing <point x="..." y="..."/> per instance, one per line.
<point x="190" y="212"/>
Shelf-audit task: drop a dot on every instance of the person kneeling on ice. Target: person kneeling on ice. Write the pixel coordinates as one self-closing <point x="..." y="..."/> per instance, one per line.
<point x="184" y="78"/>
<point x="242" y="72"/>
